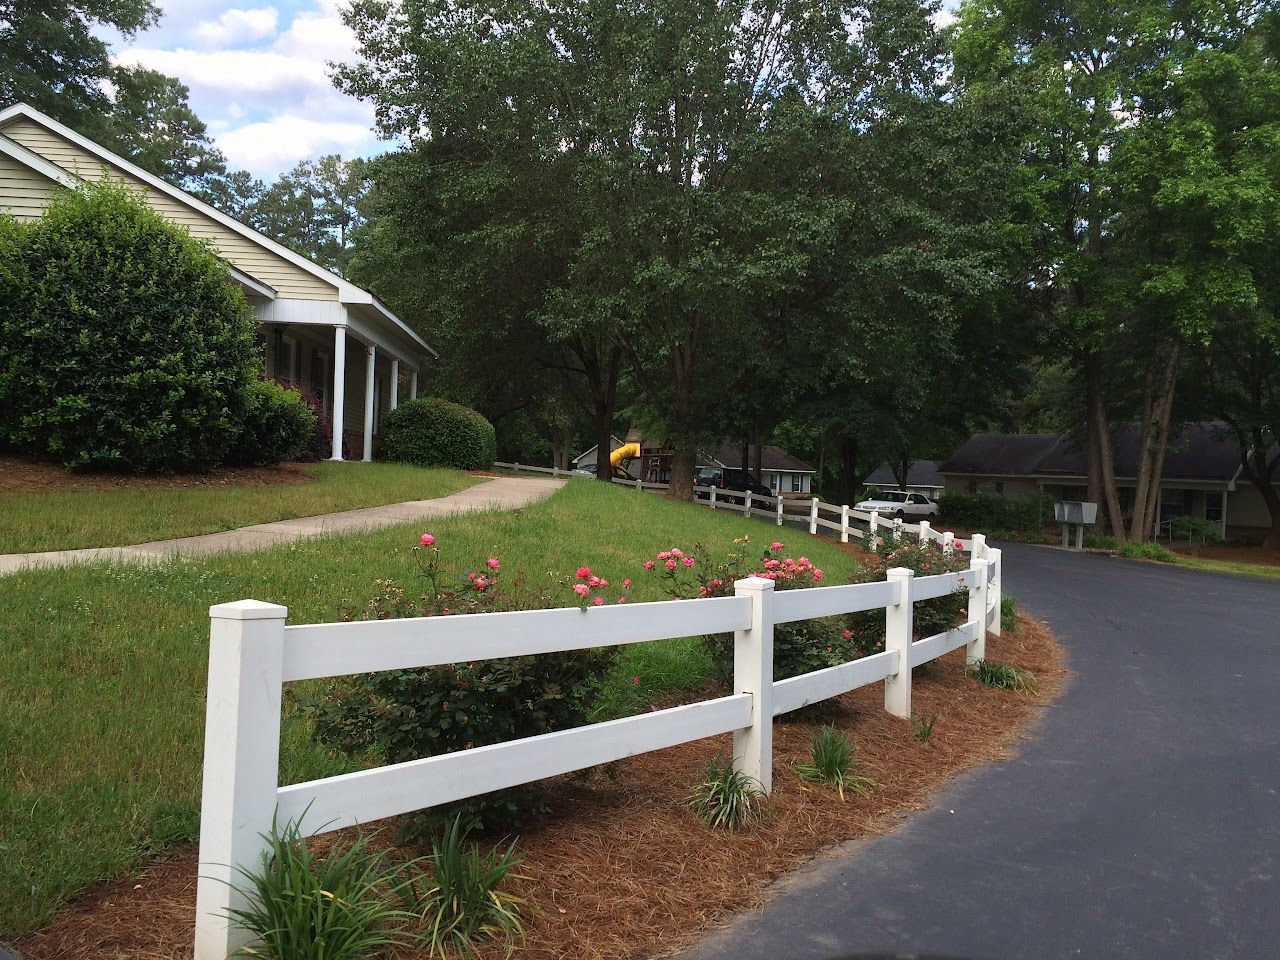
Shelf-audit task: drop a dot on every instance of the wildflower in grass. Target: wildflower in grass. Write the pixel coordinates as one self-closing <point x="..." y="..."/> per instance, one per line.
<point x="493" y="563"/>
<point x="427" y="540"/>
<point x="581" y="589"/>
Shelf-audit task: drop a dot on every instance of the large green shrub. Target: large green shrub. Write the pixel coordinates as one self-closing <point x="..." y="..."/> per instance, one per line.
<point x="278" y="425"/>
<point x="990" y="512"/>
<point x="436" y="433"/>
<point x="123" y="343"/>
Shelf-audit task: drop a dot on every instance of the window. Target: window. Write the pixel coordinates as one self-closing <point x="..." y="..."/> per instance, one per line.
<point x="797" y="483"/>
<point x="916" y="498"/>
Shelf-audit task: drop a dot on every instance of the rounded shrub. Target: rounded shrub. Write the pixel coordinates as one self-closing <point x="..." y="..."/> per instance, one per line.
<point x="125" y="344"/>
<point x="431" y="432"/>
<point x="278" y="425"/>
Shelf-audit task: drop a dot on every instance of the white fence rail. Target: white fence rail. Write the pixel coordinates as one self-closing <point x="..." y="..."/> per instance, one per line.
<point x="253" y="651"/>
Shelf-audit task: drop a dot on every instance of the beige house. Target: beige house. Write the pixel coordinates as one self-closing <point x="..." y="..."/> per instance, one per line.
<point x="318" y="329"/>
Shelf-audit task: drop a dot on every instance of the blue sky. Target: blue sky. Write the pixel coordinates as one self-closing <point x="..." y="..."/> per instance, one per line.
<point x="258" y="77"/>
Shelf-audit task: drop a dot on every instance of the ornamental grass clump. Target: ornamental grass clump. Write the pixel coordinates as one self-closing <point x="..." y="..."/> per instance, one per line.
<point x="831" y="762"/>
<point x="336" y="906"/>
<point x="725" y="798"/>
<point x="1003" y="676"/>
<point x="461" y="905"/>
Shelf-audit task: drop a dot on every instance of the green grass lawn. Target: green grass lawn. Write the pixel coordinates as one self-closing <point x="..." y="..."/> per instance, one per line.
<point x="1268" y="571"/>
<point x="68" y="519"/>
<point x="102" y="668"/>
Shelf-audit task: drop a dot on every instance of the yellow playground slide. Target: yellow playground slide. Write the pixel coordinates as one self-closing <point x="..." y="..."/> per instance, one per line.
<point x="628" y="451"/>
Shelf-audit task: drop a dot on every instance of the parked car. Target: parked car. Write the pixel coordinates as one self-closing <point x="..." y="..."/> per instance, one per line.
<point x="618" y="473"/>
<point x="729" y="478"/>
<point x="895" y="503"/>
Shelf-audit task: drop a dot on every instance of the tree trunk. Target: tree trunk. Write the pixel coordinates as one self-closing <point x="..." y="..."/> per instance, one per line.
<point x="561" y="439"/>
<point x="682" y="464"/>
<point x="757" y="455"/>
<point x="1156" y="437"/>
<point x="847" y="483"/>
<point x="602" y="381"/>
<point x="1272" y="499"/>
<point x="1100" y="443"/>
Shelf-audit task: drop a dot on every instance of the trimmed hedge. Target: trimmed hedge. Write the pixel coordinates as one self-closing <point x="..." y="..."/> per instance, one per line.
<point x="991" y="512"/>
<point x="278" y="425"/>
<point x="431" y="432"/>
<point x="123" y="343"/>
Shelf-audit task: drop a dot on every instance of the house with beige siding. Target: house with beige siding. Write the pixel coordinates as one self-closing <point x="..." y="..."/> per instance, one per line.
<point x="1202" y="475"/>
<point x="318" y="329"/>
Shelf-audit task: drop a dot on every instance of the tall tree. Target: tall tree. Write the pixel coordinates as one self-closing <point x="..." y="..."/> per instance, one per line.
<point x="316" y="208"/>
<point x="52" y="55"/>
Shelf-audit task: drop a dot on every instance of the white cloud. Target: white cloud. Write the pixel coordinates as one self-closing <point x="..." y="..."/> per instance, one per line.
<point x="238" y="26"/>
<point x="234" y="71"/>
<point x="282" y="141"/>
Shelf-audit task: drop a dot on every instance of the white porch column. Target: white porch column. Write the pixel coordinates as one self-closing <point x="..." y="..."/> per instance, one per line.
<point x="1224" y="514"/>
<point x="371" y="356"/>
<point x="413" y="385"/>
<point x="395" y="384"/>
<point x="339" y="387"/>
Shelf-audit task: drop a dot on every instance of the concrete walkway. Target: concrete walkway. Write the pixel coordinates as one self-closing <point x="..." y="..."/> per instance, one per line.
<point x="505" y="493"/>
<point x="1141" y="824"/>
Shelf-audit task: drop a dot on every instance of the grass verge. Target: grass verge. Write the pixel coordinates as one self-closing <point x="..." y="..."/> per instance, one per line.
<point x="71" y="519"/>
<point x="102" y="667"/>
<point x="1267" y="571"/>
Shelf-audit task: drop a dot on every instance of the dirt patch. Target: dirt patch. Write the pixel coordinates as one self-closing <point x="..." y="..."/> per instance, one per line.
<point x="623" y="870"/>
<point x="18" y="475"/>
<point x="1232" y="553"/>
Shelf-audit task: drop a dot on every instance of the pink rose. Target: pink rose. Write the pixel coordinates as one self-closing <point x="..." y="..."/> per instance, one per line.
<point x="817" y="576"/>
<point x="427" y="540"/>
<point x="471" y="575"/>
<point x="776" y="545"/>
<point x="677" y="553"/>
<point x="482" y="584"/>
<point x="636" y="678"/>
<point x="594" y="581"/>
<point x="771" y="564"/>
<point x="493" y="563"/>
<point x="581" y="589"/>
<point x="598" y="602"/>
<point x="665" y="555"/>
<point x="584" y="572"/>
<point x="957" y="544"/>
<point x="648" y="564"/>
<point x="687" y="561"/>
<point x="627" y="583"/>
<point x="717" y="582"/>
<point x="847" y="634"/>
<point x="622" y="599"/>
<point x="671" y="564"/>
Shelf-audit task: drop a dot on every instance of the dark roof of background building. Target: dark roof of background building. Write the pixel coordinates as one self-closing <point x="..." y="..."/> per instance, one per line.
<point x="921" y="473"/>
<point x="1197" y="451"/>
<point x="771" y="458"/>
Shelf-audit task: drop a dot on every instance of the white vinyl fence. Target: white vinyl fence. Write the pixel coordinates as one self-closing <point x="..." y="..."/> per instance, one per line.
<point x="254" y="651"/>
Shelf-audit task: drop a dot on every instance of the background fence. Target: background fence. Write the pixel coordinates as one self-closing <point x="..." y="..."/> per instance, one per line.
<point x="253" y="652"/>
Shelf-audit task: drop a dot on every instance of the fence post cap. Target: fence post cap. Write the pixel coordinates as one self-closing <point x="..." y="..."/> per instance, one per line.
<point x="900" y="573"/>
<point x="248" y="610"/>
<point x="752" y="583"/>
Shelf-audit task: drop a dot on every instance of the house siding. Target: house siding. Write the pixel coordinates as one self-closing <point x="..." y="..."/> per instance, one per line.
<point x="24" y="193"/>
<point x="1246" y="508"/>
<point x="257" y="261"/>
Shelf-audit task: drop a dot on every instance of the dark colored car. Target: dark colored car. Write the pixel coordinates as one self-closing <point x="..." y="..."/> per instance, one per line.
<point x="729" y="478"/>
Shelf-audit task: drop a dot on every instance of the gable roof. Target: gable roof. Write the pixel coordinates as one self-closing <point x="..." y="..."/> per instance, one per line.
<point x="1197" y="451"/>
<point x="921" y="473"/>
<point x="348" y="293"/>
<point x="771" y="458"/>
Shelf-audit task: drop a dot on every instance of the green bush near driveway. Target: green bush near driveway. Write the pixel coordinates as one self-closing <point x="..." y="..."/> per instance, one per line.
<point x="431" y="432"/>
<point x="278" y="425"/>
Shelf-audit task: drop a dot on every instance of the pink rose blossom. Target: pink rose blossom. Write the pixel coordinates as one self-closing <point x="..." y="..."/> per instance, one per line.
<point x="622" y="599"/>
<point x="627" y="583"/>
<point x="584" y="572"/>
<point x="581" y="589"/>
<point x="594" y="581"/>
<point x="687" y="561"/>
<point x="772" y="564"/>
<point x="677" y="553"/>
<point x="598" y="602"/>
<point x="471" y="575"/>
<point x="847" y="634"/>
<point x="957" y="544"/>
<point x="493" y="563"/>
<point x="817" y="576"/>
<point x="665" y="555"/>
<point x="604" y="582"/>
<point x="648" y="564"/>
<point x="482" y="584"/>
<point x="776" y="545"/>
<point x="636" y="678"/>
<point x="427" y="540"/>
<point x="671" y="564"/>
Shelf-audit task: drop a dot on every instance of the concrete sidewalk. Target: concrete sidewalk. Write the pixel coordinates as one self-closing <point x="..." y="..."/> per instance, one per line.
<point x="499" y="494"/>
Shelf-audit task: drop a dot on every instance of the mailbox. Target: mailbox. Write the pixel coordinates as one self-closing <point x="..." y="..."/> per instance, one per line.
<point x="1075" y="511"/>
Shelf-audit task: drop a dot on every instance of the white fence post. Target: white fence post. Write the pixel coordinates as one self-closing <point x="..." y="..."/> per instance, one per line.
<point x="516" y="466"/>
<point x="813" y="515"/>
<point x="713" y="498"/>
<point x="753" y="674"/>
<point x="874" y="525"/>
<point x="746" y="504"/>
<point x="897" y="529"/>
<point x="924" y="531"/>
<point x="947" y="540"/>
<point x="978" y="548"/>
<point x="977" y="647"/>
<point x="897" y="637"/>
<point x="844" y="523"/>
<point x="995" y="588"/>
<point x="779" y="508"/>
<point x="241" y="763"/>
<point x="639" y="485"/>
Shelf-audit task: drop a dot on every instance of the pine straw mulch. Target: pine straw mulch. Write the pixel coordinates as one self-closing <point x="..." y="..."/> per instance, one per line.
<point x="20" y="475"/>
<point x="623" y="870"/>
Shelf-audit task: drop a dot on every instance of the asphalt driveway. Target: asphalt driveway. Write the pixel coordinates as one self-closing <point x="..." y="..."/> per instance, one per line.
<point x="1143" y="822"/>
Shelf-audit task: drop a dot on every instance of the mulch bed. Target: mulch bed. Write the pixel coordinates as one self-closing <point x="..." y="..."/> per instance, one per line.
<point x="623" y="870"/>
<point x="19" y="475"/>
<point x="1234" y="553"/>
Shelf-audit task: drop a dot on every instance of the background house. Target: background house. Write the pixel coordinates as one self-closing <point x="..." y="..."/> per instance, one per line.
<point x="317" y="329"/>
<point x="922" y="477"/>
<point x="1201" y="476"/>
<point x="779" y="470"/>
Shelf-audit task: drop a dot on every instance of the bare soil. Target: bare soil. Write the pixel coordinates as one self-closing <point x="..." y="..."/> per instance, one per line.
<point x="622" y="870"/>
<point x="20" y="475"/>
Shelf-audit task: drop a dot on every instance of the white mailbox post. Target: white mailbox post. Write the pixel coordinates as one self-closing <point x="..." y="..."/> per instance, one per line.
<point x="1075" y="513"/>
